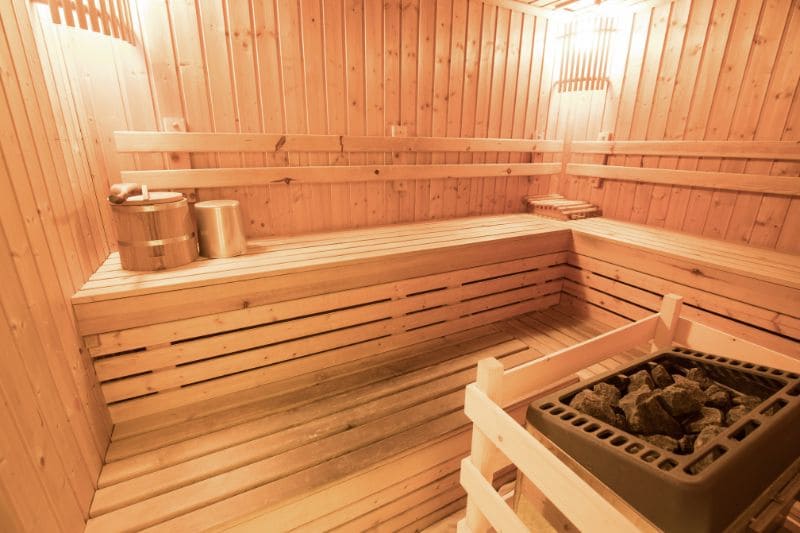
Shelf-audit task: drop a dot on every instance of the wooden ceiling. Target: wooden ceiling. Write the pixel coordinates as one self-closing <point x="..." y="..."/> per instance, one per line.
<point x="572" y="7"/>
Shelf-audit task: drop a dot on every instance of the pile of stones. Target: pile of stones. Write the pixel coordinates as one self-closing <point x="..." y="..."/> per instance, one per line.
<point x="678" y="412"/>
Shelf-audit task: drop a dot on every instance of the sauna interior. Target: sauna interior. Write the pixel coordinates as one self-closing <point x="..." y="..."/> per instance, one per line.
<point x="542" y="190"/>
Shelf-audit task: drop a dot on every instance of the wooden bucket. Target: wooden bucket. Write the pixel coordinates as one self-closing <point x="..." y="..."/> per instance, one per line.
<point x="155" y="233"/>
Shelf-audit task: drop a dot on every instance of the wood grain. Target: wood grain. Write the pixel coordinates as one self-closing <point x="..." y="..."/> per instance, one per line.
<point x="54" y="426"/>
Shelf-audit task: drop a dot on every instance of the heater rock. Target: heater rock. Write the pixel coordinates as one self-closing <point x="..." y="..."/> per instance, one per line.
<point x="661" y="377"/>
<point x="708" y="416"/>
<point x="750" y="402"/>
<point x="620" y="381"/>
<point x="685" y="382"/>
<point x="593" y="404"/>
<point x="609" y="392"/>
<point x="646" y="415"/>
<point x="708" y="434"/>
<point x="681" y="401"/>
<point x="642" y="377"/>
<point x="736" y="414"/>
<point x="699" y="375"/>
<point x="664" y="442"/>
<point x="718" y="397"/>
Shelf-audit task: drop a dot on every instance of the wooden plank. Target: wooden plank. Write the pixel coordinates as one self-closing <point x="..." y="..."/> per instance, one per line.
<point x="141" y="141"/>
<point x="129" y="339"/>
<point x="568" y="492"/>
<point x="774" y="150"/>
<point x="725" y="307"/>
<point x="484" y="456"/>
<point x="713" y="180"/>
<point x="537" y="374"/>
<point x="285" y="429"/>
<point x="357" y="332"/>
<point x="168" y="440"/>
<point x="283" y="287"/>
<point x="706" y="275"/>
<point x="498" y="513"/>
<point x="178" y="425"/>
<point x="196" y="178"/>
<point x="708" y="339"/>
<point x="170" y="399"/>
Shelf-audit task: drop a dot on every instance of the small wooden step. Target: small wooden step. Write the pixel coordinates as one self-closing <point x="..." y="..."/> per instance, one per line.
<point x="560" y="208"/>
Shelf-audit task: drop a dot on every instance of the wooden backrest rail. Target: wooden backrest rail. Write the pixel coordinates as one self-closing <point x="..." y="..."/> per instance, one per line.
<point x="156" y="141"/>
<point x="229" y="177"/>
<point x="188" y="142"/>
<point x="777" y="150"/>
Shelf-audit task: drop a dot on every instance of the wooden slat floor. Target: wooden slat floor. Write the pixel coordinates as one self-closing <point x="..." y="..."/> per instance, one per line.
<point x="281" y="255"/>
<point x="375" y="445"/>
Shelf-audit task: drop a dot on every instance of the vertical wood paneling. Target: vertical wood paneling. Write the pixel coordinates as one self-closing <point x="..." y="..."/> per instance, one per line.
<point x="439" y="67"/>
<point x="710" y="69"/>
<point x="701" y="70"/>
<point x="54" y="426"/>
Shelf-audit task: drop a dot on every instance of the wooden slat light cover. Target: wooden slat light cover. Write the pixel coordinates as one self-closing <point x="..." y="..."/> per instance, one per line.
<point x="110" y="17"/>
<point x="584" y="60"/>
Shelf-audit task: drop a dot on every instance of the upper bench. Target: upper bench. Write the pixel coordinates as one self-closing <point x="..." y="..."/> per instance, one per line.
<point x="749" y="292"/>
<point x="294" y="305"/>
<point x="162" y="340"/>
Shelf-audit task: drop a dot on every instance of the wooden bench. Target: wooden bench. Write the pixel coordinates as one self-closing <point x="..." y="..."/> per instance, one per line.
<point x="620" y="271"/>
<point x="162" y="340"/>
<point x="317" y="381"/>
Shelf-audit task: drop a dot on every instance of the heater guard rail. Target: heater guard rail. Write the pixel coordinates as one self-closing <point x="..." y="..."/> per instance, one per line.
<point x="498" y="440"/>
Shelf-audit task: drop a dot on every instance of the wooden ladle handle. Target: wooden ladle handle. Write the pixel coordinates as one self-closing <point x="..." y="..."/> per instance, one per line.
<point x="122" y="191"/>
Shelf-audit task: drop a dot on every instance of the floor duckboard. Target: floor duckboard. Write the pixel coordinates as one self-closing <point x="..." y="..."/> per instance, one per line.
<point x="373" y="443"/>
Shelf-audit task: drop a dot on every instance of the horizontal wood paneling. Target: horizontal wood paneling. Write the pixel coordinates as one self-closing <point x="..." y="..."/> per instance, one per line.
<point x="697" y="70"/>
<point x="54" y="425"/>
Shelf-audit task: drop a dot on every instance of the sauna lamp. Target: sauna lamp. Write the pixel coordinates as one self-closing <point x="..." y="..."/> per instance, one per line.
<point x="585" y="52"/>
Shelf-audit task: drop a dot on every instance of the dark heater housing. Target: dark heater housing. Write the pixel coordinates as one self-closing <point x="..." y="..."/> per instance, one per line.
<point x="702" y="491"/>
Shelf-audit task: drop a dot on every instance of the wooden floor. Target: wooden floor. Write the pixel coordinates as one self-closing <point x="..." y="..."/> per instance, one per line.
<point x="377" y="443"/>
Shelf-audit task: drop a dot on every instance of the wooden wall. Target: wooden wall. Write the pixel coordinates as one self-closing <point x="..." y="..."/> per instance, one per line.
<point x="54" y="426"/>
<point x="434" y="68"/>
<point x="697" y="70"/>
<point x="692" y="70"/>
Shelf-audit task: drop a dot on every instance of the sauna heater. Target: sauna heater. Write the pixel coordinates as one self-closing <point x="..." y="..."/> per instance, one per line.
<point x="683" y="489"/>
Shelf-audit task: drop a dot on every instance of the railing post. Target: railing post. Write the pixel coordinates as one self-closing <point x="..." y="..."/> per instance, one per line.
<point x="484" y="453"/>
<point x="667" y="323"/>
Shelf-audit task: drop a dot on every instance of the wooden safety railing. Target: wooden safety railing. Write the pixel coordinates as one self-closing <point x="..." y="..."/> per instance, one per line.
<point x="498" y="440"/>
<point x="155" y="141"/>
<point x="185" y="143"/>
<point x="129" y="141"/>
<point x="763" y="183"/>
<point x="110" y="17"/>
